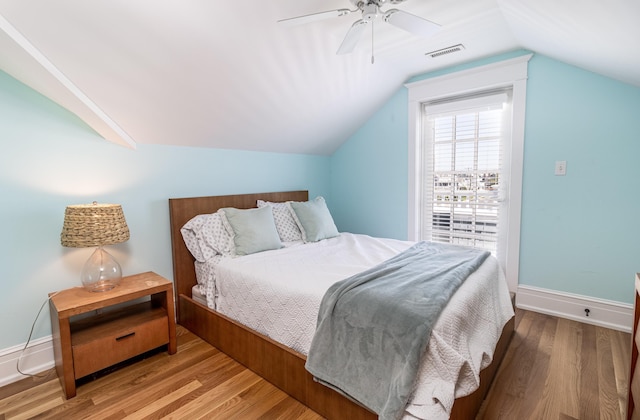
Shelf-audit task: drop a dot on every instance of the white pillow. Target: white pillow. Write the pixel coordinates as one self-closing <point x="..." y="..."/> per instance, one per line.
<point x="285" y="223"/>
<point x="205" y="236"/>
<point x="254" y="230"/>
<point x="314" y="219"/>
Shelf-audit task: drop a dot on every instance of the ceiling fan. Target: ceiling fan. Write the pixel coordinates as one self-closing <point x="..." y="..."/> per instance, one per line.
<point x="370" y="10"/>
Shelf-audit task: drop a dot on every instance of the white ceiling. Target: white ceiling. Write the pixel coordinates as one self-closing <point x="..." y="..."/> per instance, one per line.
<point x="226" y="75"/>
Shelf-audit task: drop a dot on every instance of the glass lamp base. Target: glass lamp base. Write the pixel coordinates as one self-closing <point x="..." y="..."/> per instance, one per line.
<point x="101" y="286"/>
<point x="101" y="272"/>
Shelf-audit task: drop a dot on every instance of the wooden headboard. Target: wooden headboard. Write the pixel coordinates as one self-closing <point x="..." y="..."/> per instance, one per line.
<point x="181" y="210"/>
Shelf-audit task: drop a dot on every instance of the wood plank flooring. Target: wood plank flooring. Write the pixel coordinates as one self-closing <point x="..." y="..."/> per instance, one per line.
<point x="558" y="369"/>
<point x="197" y="382"/>
<point x="554" y="369"/>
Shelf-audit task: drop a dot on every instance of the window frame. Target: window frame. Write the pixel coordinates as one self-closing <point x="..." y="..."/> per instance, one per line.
<point x="511" y="73"/>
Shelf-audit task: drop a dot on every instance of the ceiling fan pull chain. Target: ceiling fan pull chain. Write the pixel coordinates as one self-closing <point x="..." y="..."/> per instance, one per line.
<point x="372" y="31"/>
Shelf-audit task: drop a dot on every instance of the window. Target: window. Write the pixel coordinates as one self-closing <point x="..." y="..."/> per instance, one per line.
<point x="462" y="170"/>
<point x="479" y="205"/>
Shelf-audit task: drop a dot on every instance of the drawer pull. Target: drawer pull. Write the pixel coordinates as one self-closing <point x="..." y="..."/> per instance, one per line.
<point x="131" y="334"/>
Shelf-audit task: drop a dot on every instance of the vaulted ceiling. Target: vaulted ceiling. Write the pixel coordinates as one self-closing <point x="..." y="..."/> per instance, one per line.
<point x="227" y="75"/>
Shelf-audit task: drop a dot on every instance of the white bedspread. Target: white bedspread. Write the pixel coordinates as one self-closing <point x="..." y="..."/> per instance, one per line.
<point x="278" y="293"/>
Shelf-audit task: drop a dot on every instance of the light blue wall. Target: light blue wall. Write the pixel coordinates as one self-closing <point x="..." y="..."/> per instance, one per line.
<point x="50" y="159"/>
<point x="579" y="232"/>
<point x="369" y="175"/>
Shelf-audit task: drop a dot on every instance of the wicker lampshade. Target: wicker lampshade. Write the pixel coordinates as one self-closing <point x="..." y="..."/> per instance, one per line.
<point x="90" y="225"/>
<point x="95" y="225"/>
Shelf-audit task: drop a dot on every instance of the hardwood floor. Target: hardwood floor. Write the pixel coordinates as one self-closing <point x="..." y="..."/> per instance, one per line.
<point x="561" y="370"/>
<point x="196" y="382"/>
<point x="554" y="369"/>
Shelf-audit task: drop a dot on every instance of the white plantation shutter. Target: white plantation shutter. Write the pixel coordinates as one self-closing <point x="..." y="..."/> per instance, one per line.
<point x="463" y="178"/>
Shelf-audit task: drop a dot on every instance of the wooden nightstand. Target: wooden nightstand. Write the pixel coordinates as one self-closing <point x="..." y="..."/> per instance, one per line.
<point x="92" y="331"/>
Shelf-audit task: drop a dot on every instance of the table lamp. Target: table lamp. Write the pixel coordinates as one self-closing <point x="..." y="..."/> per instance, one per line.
<point x="96" y="225"/>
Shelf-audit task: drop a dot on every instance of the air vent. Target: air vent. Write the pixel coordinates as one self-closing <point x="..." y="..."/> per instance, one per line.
<point x="445" y="51"/>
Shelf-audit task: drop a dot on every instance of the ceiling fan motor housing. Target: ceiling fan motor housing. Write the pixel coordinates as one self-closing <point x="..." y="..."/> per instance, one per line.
<point x="361" y="4"/>
<point x="370" y="12"/>
<point x="371" y="8"/>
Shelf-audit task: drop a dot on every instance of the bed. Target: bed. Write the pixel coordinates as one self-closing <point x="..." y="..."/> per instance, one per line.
<point x="279" y="364"/>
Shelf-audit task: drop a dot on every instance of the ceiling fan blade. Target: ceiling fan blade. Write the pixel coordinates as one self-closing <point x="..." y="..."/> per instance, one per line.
<point x="353" y="36"/>
<point x="300" y="20"/>
<point x="411" y="23"/>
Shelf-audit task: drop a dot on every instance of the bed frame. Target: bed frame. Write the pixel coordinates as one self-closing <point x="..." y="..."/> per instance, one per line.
<point x="275" y="362"/>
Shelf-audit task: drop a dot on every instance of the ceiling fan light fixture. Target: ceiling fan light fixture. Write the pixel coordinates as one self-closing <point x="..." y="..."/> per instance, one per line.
<point x="444" y="51"/>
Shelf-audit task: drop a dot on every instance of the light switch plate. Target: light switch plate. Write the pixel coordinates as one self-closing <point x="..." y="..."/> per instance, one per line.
<point x="561" y="167"/>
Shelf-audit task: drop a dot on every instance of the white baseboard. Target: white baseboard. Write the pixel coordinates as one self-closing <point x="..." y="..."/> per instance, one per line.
<point x="603" y="313"/>
<point x="37" y="358"/>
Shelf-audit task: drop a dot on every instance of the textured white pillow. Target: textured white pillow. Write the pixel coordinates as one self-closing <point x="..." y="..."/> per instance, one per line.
<point x="254" y="230"/>
<point x="285" y="223"/>
<point x="314" y="219"/>
<point x="205" y="236"/>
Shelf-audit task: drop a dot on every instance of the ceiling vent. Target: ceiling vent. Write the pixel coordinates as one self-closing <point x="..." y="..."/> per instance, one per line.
<point x="445" y="51"/>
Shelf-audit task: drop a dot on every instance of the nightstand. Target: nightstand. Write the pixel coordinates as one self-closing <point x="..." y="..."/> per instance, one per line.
<point x="92" y="331"/>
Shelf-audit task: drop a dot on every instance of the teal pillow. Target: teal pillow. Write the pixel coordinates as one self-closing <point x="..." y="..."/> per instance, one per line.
<point x="314" y="219"/>
<point x="254" y="230"/>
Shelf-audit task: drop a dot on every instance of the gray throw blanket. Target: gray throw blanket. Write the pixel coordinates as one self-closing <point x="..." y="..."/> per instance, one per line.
<point x="374" y="327"/>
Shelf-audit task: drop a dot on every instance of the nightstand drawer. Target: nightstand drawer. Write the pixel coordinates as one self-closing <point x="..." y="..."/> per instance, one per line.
<point x="102" y="352"/>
